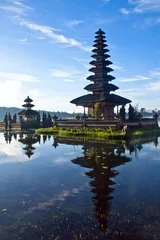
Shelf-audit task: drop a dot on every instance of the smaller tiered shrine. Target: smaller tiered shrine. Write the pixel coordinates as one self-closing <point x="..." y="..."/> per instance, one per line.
<point x="29" y="118"/>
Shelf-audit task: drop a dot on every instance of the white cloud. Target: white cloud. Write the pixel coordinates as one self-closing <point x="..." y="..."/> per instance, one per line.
<point x="50" y="32"/>
<point x="65" y="73"/>
<point x="155" y="86"/>
<point x="23" y="40"/>
<point x="68" y="80"/>
<point x="18" y="77"/>
<point x="134" y="79"/>
<point x="142" y="6"/>
<point x="105" y="21"/>
<point x="81" y="59"/>
<point x="84" y="62"/>
<point x="13" y="9"/>
<point x="104" y="2"/>
<point x="116" y="67"/>
<point x="73" y="23"/>
<point x="36" y="93"/>
<point x="124" y="11"/>
<point x="10" y="90"/>
<point x="155" y="73"/>
<point x="16" y="7"/>
<point x="14" y="87"/>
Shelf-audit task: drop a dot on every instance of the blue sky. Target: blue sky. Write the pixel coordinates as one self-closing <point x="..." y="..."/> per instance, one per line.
<point x="45" y="50"/>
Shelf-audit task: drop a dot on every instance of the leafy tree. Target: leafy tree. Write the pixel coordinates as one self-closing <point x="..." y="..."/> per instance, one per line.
<point x="38" y="118"/>
<point x="15" y="118"/>
<point x="73" y="116"/>
<point x="132" y="113"/>
<point x="156" y="118"/>
<point x="49" y="118"/>
<point x="5" y="118"/>
<point x="10" y="118"/>
<point x="142" y="111"/>
<point x="44" y="117"/>
<point x="122" y="113"/>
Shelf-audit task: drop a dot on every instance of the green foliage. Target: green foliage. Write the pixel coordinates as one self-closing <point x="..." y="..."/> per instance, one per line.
<point x="5" y="118"/>
<point x="132" y="113"/>
<point x="44" y="117"/>
<point x="15" y="118"/>
<point x="145" y="132"/>
<point x="49" y="130"/>
<point x="86" y="133"/>
<point x="73" y="116"/>
<point x="142" y="111"/>
<point x="96" y="133"/>
<point x="38" y="118"/>
<point x="55" y="117"/>
<point x="96" y="110"/>
<point x="49" y="118"/>
<point x="9" y="117"/>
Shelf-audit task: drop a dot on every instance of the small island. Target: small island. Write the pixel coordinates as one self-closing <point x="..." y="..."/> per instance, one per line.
<point x="101" y="122"/>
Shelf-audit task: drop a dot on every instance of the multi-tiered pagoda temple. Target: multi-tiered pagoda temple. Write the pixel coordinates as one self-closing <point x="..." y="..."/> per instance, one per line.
<point x="101" y="87"/>
<point x="28" y="114"/>
<point x="28" y="117"/>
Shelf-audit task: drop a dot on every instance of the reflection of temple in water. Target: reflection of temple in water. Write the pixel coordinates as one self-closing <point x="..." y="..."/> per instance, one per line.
<point x="101" y="160"/>
<point x="29" y="140"/>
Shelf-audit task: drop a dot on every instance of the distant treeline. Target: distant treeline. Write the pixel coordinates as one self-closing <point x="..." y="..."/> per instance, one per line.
<point x="13" y="110"/>
<point x="64" y="115"/>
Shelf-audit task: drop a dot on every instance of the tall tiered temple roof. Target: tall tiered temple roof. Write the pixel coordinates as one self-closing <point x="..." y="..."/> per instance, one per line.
<point x="28" y="108"/>
<point x="101" y="87"/>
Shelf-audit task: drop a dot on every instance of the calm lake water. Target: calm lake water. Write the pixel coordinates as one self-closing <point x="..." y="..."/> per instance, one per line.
<point x="64" y="189"/>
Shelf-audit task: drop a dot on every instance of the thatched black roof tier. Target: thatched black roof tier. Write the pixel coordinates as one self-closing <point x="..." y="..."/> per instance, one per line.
<point x="102" y="62"/>
<point x="101" y="86"/>
<point x="101" y="37"/>
<point x="28" y="100"/>
<point x="28" y="105"/>
<point x="100" y="40"/>
<point x="100" y="44"/>
<point x="101" y="69"/>
<point x="28" y="113"/>
<point x="101" y="55"/>
<point x="100" y="32"/>
<point x="91" y="99"/>
<point x="102" y="77"/>
<point x="100" y="50"/>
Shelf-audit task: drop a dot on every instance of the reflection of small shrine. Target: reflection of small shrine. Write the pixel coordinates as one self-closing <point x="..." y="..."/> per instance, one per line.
<point x="29" y="140"/>
<point x="29" y="118"/>
<point x="101" y="159"/>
